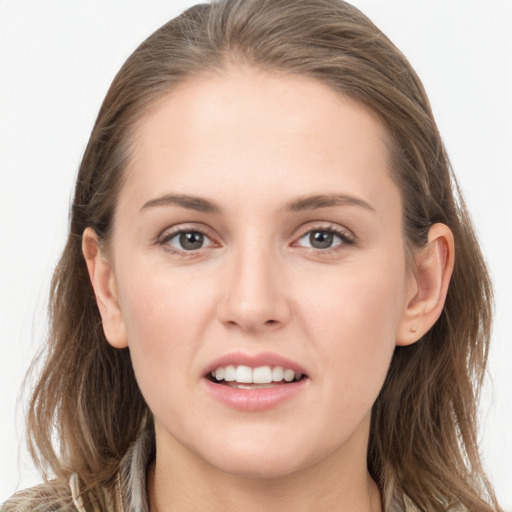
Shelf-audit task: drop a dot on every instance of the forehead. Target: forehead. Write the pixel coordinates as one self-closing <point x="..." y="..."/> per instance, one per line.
<point x="246" y="127"/>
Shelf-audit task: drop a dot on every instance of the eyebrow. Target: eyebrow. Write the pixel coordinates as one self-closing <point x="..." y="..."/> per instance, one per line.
<point x="195" y="203"/>
<point x="200" y="204"/>
<point x="325" y="201"/>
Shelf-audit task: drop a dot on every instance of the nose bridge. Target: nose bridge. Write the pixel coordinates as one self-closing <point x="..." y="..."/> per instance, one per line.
<point x="254" y="297"/>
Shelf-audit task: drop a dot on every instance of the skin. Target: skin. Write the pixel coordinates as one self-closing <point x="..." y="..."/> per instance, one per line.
<point x="252" y="144"/>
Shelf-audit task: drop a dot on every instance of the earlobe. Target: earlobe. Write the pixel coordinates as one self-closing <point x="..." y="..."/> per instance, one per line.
<point x="101" y="274"/>
<point x="427" y="285"/>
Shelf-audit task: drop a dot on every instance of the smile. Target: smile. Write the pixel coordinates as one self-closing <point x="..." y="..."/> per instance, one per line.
<point x="254" y="383"/>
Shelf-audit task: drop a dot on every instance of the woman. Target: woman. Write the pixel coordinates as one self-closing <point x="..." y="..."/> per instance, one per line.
<point x="259" y="304"/>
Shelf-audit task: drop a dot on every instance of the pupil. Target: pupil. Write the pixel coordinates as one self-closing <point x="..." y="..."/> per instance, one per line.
<point x="191" y="240"/>
<point x="321" y="239"/>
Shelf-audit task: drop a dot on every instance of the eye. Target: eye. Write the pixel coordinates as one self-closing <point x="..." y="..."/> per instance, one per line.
<point x="322" y="239"/>
<point x="187" y="240"/>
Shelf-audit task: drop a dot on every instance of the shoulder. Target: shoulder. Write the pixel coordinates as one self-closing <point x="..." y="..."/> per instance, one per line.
<point x="47" y="497"/>
<point x="409" y="506"/>
<point x="62" y="496"/>
<point x="128" y="491"/>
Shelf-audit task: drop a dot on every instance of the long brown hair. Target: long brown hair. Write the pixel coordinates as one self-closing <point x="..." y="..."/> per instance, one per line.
<point x="86" y="408"/>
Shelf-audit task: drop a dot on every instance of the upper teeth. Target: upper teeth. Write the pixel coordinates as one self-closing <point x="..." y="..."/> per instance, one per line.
<point x="259" y="375"/>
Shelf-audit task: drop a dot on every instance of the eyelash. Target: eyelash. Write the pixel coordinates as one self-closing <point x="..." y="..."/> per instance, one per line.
<point x="166" y="237"/>
<point x="346" y="239"/>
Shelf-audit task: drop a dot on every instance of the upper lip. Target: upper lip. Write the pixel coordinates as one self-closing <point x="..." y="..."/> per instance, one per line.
<point x="254" y="361"/>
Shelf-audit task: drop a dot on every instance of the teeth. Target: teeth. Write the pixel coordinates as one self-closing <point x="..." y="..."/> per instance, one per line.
<point x="229" y="374"/>
<point x="277" y="373"/>
<point x="243" y="374"/>
<point x="289" y="375"/>
<point x="260" y="375"/>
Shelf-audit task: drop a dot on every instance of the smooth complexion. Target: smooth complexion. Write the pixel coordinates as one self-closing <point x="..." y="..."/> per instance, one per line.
<point x="258" y="221"/>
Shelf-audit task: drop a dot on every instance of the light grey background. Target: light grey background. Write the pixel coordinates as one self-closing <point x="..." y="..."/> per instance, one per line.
<point x="57" y="59"/>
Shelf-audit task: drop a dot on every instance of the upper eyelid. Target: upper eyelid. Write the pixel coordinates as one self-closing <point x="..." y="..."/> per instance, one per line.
<point x="172" y="231"/>
<point x="324" y="226"/>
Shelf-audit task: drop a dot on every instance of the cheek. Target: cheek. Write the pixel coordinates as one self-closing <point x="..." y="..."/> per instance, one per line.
<point x="165" y="316"/>
<point x="353" y="317"/>
<point x="161" y="304"/>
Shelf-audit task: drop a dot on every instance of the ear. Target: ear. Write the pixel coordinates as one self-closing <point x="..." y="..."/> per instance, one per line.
<point x="101" y="273"/>
<point x="427" y="285"/>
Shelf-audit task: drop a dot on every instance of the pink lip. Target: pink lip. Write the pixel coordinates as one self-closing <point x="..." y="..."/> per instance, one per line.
<point x="258" y="399"/>
<point x="254" y="400"/>
<point x="254" y="360"/>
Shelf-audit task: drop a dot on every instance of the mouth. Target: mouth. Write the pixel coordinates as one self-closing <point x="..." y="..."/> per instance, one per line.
<point x="255" y="382"/>
<point x="260" y="377"/>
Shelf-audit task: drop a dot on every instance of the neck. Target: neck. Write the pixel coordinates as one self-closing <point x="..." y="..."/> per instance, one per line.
<point x="180" y="481"/>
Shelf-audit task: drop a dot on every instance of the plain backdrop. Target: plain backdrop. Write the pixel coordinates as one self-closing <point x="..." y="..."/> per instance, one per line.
<point x="57" y="59"/>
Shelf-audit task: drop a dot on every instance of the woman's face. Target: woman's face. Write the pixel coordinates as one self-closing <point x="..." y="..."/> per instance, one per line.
<point x="258" y="235"/>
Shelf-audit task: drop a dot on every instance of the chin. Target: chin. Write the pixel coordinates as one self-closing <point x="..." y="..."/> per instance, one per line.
<point x="263" y="458"/>
<point x="261" y="467"/>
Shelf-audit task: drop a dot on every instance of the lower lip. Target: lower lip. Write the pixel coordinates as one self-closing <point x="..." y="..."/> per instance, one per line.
<point x="254" y="400"/>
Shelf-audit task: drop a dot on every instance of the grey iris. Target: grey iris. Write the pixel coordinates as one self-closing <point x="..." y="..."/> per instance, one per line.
<point x="321" y="239"/>
<point x="191" y="240"/>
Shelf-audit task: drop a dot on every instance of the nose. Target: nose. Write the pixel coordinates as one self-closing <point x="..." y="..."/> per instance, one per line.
<point x="253" y="297"/>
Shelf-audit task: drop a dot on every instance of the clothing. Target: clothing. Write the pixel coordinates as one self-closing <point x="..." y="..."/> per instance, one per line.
<point x="131" y="484"/>
<point x="130" y="488"/>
